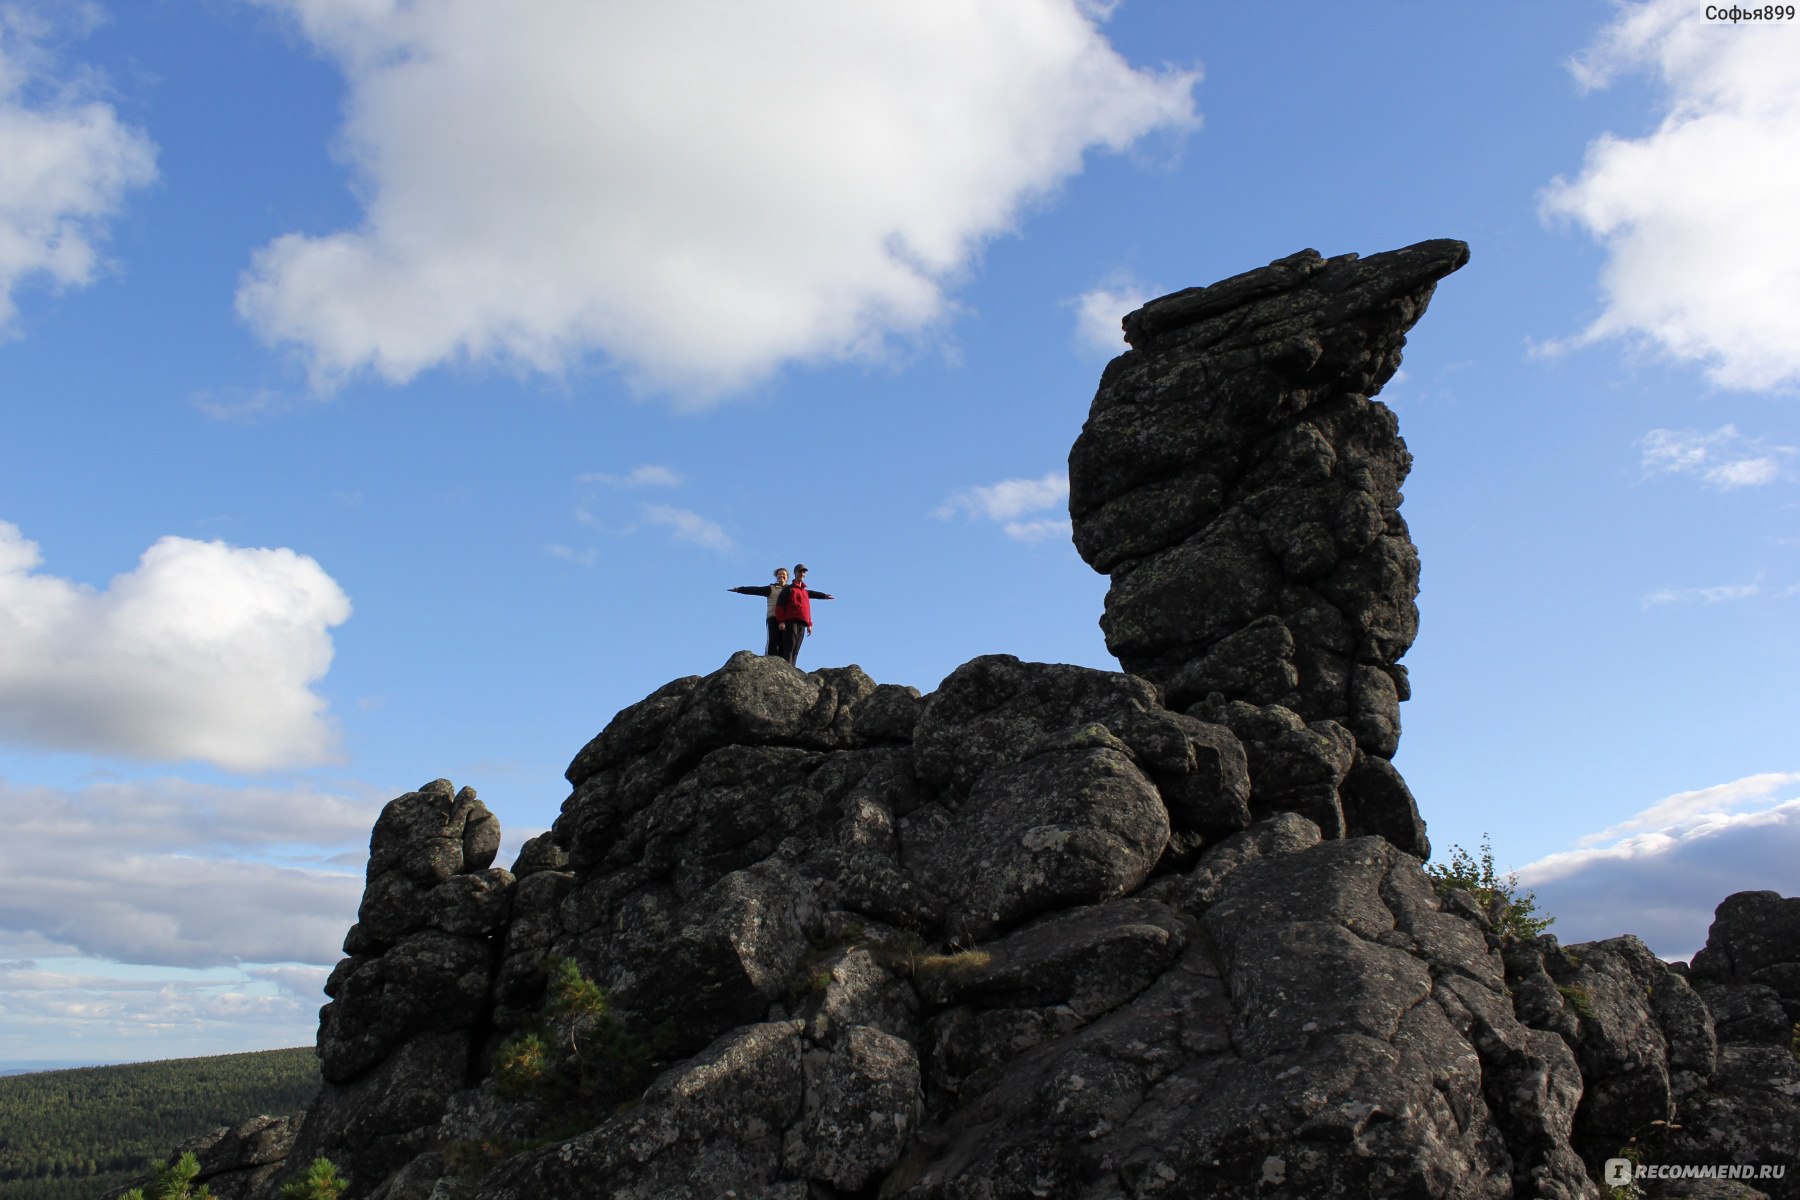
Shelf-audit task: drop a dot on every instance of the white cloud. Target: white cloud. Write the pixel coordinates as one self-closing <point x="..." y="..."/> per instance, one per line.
<point x="176" y="873"/>
<point x="303" y="983"/>
<point x="1010" y="498"/>
<point x="700" y="191"/>
<point x="1013" y="503"/>
<point x="684" y="524"/>
<point x="1661" y="873"/>
<point x="581" y="558"/>
<point x="1099" y="310"/>
<point x="1720" y="594"/>
<point x="89" y="1013"/>
<point x="1724" y="458"/>
<point x="68" y="160"/>
<point x="1698" y="216"/>
<point x="1039" y="529"/>
<point x="647" y="475"/>
<point x="243" y="406"/>
<point x="1700" y="805"/>
<point x="1745" y="472"/>
<point x="689" y="527"/>
<point x="204" y="651"/>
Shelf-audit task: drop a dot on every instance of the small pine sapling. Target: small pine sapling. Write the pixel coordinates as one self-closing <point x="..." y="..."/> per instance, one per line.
<point x="173" y="1181"/>
<point x="321" y="1182"/>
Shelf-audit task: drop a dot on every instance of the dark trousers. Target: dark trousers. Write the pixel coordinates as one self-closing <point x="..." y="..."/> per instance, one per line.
<point x="796" y="633"/>
<point x="777" y="640"/>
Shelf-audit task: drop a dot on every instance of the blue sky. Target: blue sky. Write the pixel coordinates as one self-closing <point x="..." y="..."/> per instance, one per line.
<point x="392" y="390"/>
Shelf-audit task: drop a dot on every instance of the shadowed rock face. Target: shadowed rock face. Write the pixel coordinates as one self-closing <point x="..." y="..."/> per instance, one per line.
<point x="1049" y="930"/>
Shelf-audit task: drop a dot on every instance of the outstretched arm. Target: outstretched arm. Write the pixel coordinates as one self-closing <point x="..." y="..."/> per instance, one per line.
<point x="750" y="591"/>
<point x="821" y="595"/>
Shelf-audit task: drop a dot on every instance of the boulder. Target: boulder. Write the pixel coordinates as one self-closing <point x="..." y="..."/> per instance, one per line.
<point x="1755" y="939"/>
<point x="1075" y="824"/>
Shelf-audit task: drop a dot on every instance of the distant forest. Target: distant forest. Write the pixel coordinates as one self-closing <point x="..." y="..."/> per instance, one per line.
<point x="73" y="1135"/>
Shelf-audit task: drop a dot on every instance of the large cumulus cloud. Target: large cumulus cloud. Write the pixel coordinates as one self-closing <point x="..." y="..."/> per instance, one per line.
<point x="699" y="191"/>
<point x="203" y="651"/>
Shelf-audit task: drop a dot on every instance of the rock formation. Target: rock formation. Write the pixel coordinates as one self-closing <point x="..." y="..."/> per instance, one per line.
<point x="1052" y="931"/>
<point x="410" y="1005"/>
<point x="1243" y="491"/>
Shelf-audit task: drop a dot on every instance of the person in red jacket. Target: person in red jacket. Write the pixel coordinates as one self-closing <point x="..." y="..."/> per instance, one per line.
<point x="793" y="613"/>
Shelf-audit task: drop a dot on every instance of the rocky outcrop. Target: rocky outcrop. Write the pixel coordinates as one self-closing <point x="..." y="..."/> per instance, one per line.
<point x="1751" y="966"/>
<point x="1049" y="930"/>
<point x="1277" y="1013"/>
<point x="409" y="1007"/>
<point x="235" y="1161"/>
<point x="1239" y="484"/>
<point x="1749" y="977"/>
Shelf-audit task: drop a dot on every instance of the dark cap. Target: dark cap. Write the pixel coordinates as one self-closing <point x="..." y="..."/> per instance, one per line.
<point x="799" y="567"/>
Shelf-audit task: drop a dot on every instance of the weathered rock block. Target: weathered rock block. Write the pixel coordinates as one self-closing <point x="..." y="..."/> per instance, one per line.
<point x="861" y="1106"/>
<point x="1755" y="939"/>
<point x="1069" y="826"/>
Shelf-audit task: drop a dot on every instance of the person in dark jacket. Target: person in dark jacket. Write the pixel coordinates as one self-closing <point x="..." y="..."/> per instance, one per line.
<point x="793" y="613"/>
<point x="777" y="643"/>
